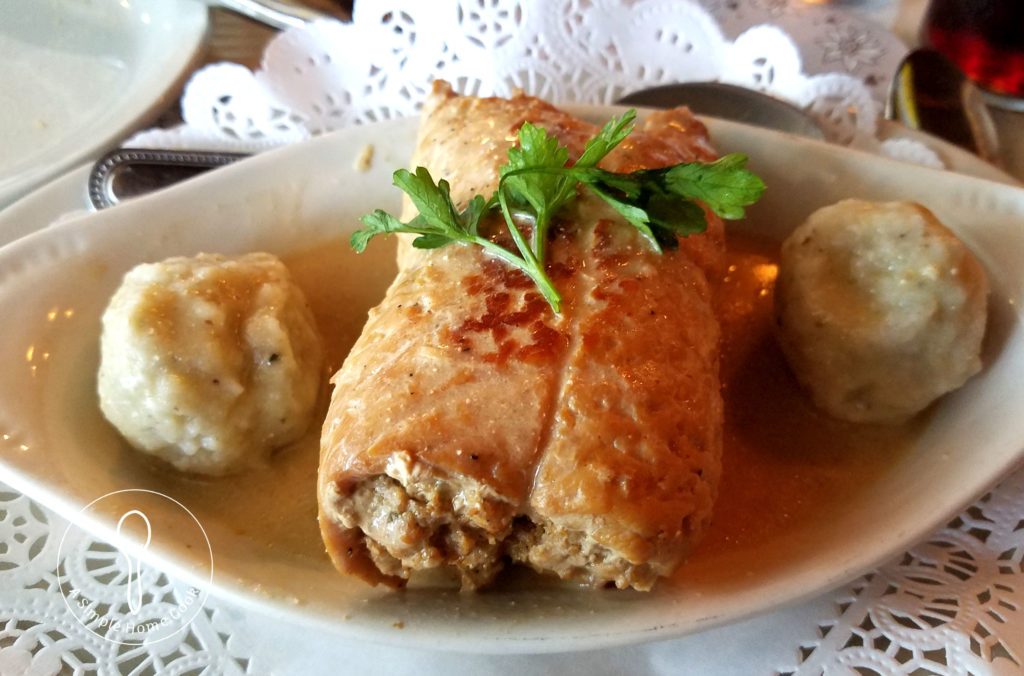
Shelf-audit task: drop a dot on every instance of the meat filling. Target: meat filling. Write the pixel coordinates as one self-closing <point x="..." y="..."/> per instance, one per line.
<point x="428" y="523"/>
<point x="415" y="521"/>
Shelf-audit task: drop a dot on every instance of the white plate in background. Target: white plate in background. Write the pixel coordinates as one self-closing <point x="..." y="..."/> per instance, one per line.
<point x="56" y="448"/>
<point x="79" y="74"/>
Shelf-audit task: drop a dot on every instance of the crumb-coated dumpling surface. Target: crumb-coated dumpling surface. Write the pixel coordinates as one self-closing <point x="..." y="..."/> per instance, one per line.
<point x="210" y="362"/>
<point x="881" y="309"/>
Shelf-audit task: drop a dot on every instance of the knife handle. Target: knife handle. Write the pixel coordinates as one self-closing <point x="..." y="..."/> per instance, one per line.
<point x="129" y="172"/>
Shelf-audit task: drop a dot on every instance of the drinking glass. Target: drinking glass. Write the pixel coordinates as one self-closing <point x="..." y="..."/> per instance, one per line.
<point x="985" y="38"/>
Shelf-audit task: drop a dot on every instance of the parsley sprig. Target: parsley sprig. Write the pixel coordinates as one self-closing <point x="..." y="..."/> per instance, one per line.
<point x="538" y="182"/>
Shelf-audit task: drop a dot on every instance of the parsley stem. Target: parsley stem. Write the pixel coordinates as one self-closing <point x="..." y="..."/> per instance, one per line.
<point x="530" y="263"/>
<point x="542" y="217"/>
<point x="540" y="240"/>
<point x="533" y="270"/>
<point x="517" y="235"/>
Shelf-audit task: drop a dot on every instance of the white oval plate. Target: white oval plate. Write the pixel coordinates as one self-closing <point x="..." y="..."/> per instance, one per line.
<point x="78" y="75"/>
<point x="56" y="448"/>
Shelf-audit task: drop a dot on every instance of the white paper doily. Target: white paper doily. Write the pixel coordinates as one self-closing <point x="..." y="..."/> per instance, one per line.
<point x="330" y="75"/>
<point x="40" y="637"/>
<point x="952" y="605"/>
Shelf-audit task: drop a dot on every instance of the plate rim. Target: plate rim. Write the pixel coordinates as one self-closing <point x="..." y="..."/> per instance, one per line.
<point x="492" y="645"/>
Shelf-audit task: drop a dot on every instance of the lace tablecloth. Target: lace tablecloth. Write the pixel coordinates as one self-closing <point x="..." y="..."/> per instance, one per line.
<point x="951" y="605"/>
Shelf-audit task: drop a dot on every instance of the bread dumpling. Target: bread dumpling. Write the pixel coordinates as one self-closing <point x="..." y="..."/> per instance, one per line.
<point x="881" y="309"/>
<point x="210" y="363"/>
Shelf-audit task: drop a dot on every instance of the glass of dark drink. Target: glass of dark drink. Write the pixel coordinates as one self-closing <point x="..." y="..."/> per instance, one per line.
<point x="985" y="38"/>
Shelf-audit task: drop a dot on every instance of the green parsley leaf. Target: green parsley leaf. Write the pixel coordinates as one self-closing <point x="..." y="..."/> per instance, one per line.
<point x="379" y="222"/>
<point x="536" y="172"/>
<point x="544" y="192"/>
<point x="431" y="241"/>
<point x="724" y="185"/>
<point x="439" y="223"/>
<point x="612" y="134"/>
<point x="636" y="215"/>
<point x="662" y="204"/>
<point x="523" y="185"/>
<point x="432" y="200"/>
<point x="478" y="206"/>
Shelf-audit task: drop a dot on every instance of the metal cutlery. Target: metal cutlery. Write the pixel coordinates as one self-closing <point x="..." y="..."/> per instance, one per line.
<point x="129" y="172"/>
<point x="717" y="99"/>
<point x="278" y="14"/>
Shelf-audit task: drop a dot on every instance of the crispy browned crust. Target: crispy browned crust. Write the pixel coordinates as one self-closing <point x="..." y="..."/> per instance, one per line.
<point x="601" y="425"/>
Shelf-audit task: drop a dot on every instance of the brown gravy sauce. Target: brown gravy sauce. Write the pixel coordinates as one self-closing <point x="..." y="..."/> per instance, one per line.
<point x="785" y="464"/>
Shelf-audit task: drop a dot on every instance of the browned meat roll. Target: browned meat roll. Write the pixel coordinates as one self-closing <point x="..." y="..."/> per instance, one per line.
<point x="471" y="425"/>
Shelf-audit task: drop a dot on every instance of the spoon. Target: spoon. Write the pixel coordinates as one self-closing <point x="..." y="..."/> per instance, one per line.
<point x="931" y="94"/>
<point x="740" y="104"/>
